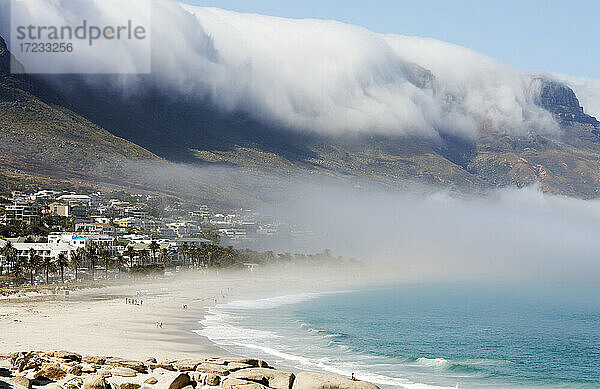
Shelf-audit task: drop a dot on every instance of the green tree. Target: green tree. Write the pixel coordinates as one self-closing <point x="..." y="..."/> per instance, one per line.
<point x="154" y="247"/>
<point x="119" y="262"/>
<point x="130" y="252"/>
<point x="106" y="258"/>
<point x="92" y="256"/>
<point x="77" y="260"/>
<point x="227" y="256"/>
<point x="184" y="251"/>
<point x="9" y="253"/>
<point x="32" y="264"/>
<point x="62" y="261"/>
<point x="144" y="256"/>
<point x="47" y="264"/>
<point x="165" y="256"/>
<point x="195" y="254"/>
<point x="213" y="236"/>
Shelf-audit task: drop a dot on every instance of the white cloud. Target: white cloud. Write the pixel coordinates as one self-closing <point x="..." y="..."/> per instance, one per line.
<point x="335" y="77"/>
<point x="331" y="77"/>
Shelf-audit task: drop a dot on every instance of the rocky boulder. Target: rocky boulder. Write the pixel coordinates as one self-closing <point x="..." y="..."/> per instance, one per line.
<point x="129" y="385"/>
<point x="213" y="369"/>
<point x="67" y="355"/>
<point x="53" y="386"/>
<point x="247" y="361"/>
<point x="135" y="365"/>
<point x="234" y="383"/>
<point x="93" y="360"/>
<point x="52" y="372"/>
<point x="76" y="370"/>
<point x="23" y="381"/>
<point x="187" y="364"/>
<point x="307" y="380"/>
<point x="95" y="381"/>
<point x="104" y="373"/>
<point x="27" y="361"/>
<point x="123" y="372"/>
<point x="212" y="379"/>
<point x="173" y="381"/>
<point x="73" y="383"/>
<point x="166" y="365"/>
<point x="275" y="379"/>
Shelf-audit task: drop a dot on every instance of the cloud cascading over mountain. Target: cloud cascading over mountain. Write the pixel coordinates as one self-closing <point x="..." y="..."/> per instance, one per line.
<point x="587" y="90"/>
<point x="322" y="75"/>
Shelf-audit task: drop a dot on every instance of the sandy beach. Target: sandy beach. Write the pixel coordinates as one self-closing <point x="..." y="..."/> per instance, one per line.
<point x="100" y="322"/>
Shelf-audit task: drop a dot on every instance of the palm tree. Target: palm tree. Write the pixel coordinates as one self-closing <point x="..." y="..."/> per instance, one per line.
<point x="5" y="261"/>
<point x="269" y="256"/>
<point x="165" y="257"/>
<point x="62" y="261"/>
<point x="214" y="253"/>
<point x="92" y="255"/>
<point x="228" y="256"/>
<point x="19" y="265"/>
<point x="9" y="253"/>
<point x="76" y="260"/>
<point x="47" y="264"/>
<point x="205" y="253"/>
<point x="131" y="254"/>
<point x="184" y="250"/>
<point x="119" y="262"/>
<point x="195" y="254"/>
<point x="106" y="261"/>
<point x="32" y="264"/>
<point x="144" y="256"/>
<point x="154" y="247"/>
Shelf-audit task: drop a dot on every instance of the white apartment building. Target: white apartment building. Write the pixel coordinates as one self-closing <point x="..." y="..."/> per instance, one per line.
<point x="44" y="250"/>
<point x="82" y="240"/>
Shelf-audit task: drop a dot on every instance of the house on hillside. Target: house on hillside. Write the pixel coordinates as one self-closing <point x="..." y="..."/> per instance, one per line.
<point x="27" y="213"/>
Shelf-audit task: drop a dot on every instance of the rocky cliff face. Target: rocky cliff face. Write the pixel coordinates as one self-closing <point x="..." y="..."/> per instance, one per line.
<point x="562" y="102"/>
<point x="6" y="58"/>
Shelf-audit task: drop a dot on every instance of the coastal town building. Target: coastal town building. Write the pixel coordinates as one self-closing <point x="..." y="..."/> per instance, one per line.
<point x="84" y="240"/>
<point x="60" y="209"/>
<point x="94" y="227"/>
<point x="44" y="195"/>
<point x="43" y="250"/>
<point x="76" y="199"/>
<point x="234" y="234"/>
<point x="28" y="214"/>
<point x="190" y="242"/>
<point x="129" y="222"/>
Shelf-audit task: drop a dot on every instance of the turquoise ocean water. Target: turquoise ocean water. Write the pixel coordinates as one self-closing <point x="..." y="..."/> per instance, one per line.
<point x="425" y="336"/>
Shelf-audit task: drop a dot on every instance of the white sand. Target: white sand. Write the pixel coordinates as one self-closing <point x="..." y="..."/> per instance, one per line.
<point x="99" y="322"/>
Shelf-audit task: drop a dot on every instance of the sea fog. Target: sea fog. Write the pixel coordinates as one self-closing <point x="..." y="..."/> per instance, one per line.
<point x="411" y="231"/>
<point x="510" y="234"/>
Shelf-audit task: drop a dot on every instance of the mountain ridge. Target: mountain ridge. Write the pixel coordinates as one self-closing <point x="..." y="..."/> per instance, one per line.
<point x="163" y="127"/>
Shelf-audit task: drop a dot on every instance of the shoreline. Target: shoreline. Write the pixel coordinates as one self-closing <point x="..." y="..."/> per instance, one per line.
<point x="98" y="320"/>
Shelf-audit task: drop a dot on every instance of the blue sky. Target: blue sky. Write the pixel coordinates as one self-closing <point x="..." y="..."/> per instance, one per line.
<point x="554" y="35"/>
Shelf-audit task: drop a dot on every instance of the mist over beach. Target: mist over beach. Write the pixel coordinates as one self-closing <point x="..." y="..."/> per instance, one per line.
<point x="203" y="194"/>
